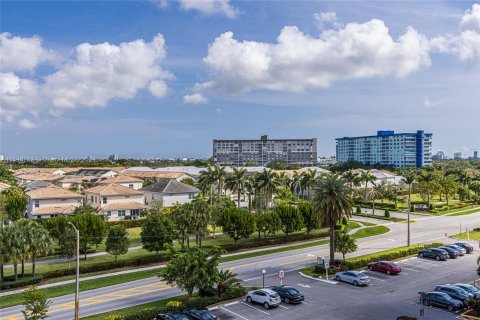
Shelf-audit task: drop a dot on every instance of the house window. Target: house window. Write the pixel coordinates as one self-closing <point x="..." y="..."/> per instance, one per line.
<point x="130" y="185"/>
<point x="37" y="204"/>
<point x="109" y="213"/>
<point x="191" y="196"/>
<point x="121" y="214"/>
<point x="91" y="198"/>
<point x="104" y="200"/>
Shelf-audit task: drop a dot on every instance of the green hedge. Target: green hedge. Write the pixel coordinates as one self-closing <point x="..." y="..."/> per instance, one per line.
<point x="358" y="263"/>
<point x="127" y="223"/>
<point x="373" y="216"/>
<point x="10" y="283"/>
<point x="390" y="206"/>
<point x="195" y="302"/>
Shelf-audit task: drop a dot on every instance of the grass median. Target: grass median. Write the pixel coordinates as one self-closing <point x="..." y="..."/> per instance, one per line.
<point x="474" y="235"/>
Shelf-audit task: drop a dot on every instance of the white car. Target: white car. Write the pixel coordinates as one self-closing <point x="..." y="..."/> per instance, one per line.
<point x="355" y="277"/>
<point x="266" y="297"/>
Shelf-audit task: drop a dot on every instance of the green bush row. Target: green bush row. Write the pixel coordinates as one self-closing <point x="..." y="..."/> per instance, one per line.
<point x="127" y="223"/>
<point x="373" y="216"/>
<point x="10" y="283"/>
<point x="184" y="304"/>
<point x="368" y="205"/>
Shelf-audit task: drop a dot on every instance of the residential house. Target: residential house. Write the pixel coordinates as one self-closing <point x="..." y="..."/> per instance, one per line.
<point x="75" y="181"/>
<point x="101" y="172"/>
<point x="55" y="171"/>
<point x="116" y="201"/>
<point x="34" y="185"/>
<point x="169" y="193"/>
<point x="158" y="175"/>
<point x="23" y="179"/>
<point x="52" y="201"/>
<point x="123" y="180"/>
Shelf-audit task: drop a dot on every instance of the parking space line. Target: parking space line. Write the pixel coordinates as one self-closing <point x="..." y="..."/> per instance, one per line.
<point x="230" y="304"/>
<point x="410" y="269"/>
<point x="246" y="304"/>
<point x="283" y="307"/>
<point x="305" y="302"/>
<point x="236" y="314"/>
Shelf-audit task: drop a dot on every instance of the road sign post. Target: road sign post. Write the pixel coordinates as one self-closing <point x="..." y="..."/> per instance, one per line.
<point x="281" y="274"/>
<point x="263" y="277"/>
<point x="327" y="265"/>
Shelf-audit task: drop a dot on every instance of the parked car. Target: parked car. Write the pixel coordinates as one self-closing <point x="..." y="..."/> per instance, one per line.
<point x="171" y="316"/>
<point x="461" y="250"/>
<point x="201" y="314"/>
<point x="385" y="266"/>
<point x="434" y="253"/>
<point x="266" y="297"/>
<point x="452" y="253"/>
<point x="440" y="299"/>
<point x="466" y="246"/>
<point x="454" y="292"/>
<point x="355" y="277"/>
<point x="289" y="294"/>
<point x="469" y="288"/>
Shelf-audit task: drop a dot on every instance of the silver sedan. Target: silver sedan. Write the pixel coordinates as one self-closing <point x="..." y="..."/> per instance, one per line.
<point x="355" y="277"/>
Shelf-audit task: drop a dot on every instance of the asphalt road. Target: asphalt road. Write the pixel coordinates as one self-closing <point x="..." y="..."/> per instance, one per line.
<point x="423" y="230"/>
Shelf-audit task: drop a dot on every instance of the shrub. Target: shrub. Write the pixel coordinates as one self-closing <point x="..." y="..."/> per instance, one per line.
<point x="476" y="229"/>
<point x="412" y="208"/>
<point x="387" y="214"/>
<point x="358" y="209"/>
<point x="174" y="305"/>
<point x="10" y="283"/>
<point x="127" y="223"/>
<point x="431" y="207"/>
<point x="344" y="221"/>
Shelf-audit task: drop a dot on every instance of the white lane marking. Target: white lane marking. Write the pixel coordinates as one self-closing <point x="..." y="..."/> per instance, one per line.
<point x="236" y="314"/>
<point x="231" y="304"/>
<point x="410" y="269"/>
<point x="304" y="285"/>
<point x="246" y="304"/>
<point x="213" y="308"/>
<point x="375" y="278"/>
<point x="283" y="307"/>
<point x="304" y="302"/>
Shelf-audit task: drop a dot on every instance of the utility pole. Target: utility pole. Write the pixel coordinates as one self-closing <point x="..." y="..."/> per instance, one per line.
<point x="77" y="277"/>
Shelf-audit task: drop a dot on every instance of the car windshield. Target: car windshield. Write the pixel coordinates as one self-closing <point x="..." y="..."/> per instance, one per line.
<point x="362" y="276"/>
<point x="292" y="291"/>
<point x="469" y="288"/>
<point x="395" y="264"/>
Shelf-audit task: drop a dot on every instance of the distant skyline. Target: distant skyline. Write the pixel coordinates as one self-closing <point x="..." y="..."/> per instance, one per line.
<point x="163" y="78"/>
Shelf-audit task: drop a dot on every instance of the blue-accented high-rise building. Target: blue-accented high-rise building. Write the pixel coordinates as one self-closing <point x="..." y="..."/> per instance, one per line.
<point x="399" y="150"/>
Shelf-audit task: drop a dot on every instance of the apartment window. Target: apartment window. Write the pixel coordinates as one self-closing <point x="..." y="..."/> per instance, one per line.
<point x="91" y="198"/>
<point x="37" y="204"/>
<point x="130" y="185"/>
<point x="104" y="200"/>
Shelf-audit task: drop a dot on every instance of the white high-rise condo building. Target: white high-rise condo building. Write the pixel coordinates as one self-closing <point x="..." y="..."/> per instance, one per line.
<point x="399" y="150"/>
<point x="263" y="151"/>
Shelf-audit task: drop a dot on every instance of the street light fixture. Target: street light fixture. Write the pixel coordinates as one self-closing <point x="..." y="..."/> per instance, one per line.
<point x="263" y="277"/>
<point x="77" y="293"/>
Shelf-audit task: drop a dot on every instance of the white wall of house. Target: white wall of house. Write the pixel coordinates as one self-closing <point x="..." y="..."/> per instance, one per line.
<point x="116" y="215"/>
<point x="168" y="200"/>
<point x="131" y="185"/>
<point x="42" y="203"/>
<point x="98" y="201"/>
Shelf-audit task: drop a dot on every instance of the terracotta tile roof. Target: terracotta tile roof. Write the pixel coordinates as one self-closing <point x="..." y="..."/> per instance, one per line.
<point x="39" y="176"/>
<point x="77" y="179"/>
<point x="123" y="206"/>
<point x="53" y="192"/>
<point x="112" y="190"/>
<point x="154" y="174"/>
<point x="36" y="170"/>
<point x="54" y="210"/>
<point x="119" y="179"/>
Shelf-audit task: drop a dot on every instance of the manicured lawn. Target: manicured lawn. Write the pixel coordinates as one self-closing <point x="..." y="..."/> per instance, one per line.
<point x="369" y="224"/>
<point x="463" y="213"/>
<point x="474" y="235"/>
<point x="52" y="292"/>
<point x="353" y="225"/>
<point x="379" y="217"/>
<point x="370" y="231"/>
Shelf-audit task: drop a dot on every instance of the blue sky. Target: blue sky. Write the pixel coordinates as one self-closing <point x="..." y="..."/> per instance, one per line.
<point x="297" y="69"/>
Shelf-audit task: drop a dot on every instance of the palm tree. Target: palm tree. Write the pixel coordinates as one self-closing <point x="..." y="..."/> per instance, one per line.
<point x="206" y="182"/>
<point x="219" y="175"/>
<point x="366" y="177"/>
<point x="250" y="189"/>
<point x="14" y="246"/>
<point x="284" y="180"/>
<point x="226" y="280"/>
<point x="409" y="178"/>
<point x="40" y="242"/>
<point x="199" y="216"/>
<point x="373" y="195"/>
<point x="352" y="178"/>
<point x="296" y="184"/>
<point x="267" y="182"/>
<point x="428" y="177"/>
<point x="24" y="226"/>
<point x="309" y="178"/>
<point x="331" y="202"/>
<point x="236" y="182"/>
<point x="4" y="249"/>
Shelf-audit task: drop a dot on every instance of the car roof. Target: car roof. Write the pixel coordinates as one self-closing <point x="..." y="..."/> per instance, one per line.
<point x="266" y="290"/>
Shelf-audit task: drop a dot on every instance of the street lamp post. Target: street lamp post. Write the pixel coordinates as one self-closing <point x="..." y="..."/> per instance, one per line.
<point x="263" y="277"/>
<point x="77" y="293"/>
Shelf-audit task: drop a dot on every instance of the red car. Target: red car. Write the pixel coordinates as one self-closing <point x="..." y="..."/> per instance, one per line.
<point x="385" y="266"/>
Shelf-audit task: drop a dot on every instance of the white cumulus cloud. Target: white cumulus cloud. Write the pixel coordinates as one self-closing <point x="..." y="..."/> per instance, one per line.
<point x="196" y="98"/>
<point x="21" y="54"/>
<point x="466" y="44"/>
<point x="298" y="61"/>
<point x="210" y="7"/>
<point x="27" y="124"/>
<point x="324" y="19"/>
<point x="94" y="76"/>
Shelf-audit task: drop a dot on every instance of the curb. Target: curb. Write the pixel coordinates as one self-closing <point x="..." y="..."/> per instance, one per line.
<point x="317" y="279"/>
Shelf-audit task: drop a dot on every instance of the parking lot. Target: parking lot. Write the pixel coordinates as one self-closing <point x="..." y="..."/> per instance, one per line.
<point x="387" y="297"/>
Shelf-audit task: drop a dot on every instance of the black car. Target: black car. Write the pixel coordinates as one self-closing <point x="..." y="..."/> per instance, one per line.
<point x="454" y="292"/>
<point x="289" y="294"/>
<point x="440" y="299"/>
<point x="452" y="253"/>
<point x="201" y="314"/>
<point x="171" y="316"/>
<point x="434" y="253"/>
<point x="469" y="288"/>
<point x="466" y="246"/>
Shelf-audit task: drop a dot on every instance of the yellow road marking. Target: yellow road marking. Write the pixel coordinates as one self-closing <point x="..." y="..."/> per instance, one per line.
<point x="143" y="290"/>
<point x="116" y="295"/>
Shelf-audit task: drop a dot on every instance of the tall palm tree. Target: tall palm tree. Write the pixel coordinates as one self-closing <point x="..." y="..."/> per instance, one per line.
<point x="309" y="178"/>
<point x="373" y="195"/>
<point x="14" y="246"/>
<point x="39" y="241"/>
<point x="219" y="174"/>
<point x="428" y="177"/>
<point x="267" y="182"/>
<point x="296" y="184"/>
<point x="236" y="182"/>
<point x="199" y="217"/>
<point x="206" y="182"/>
<point x="409" y="178"/>
<point x="24" y="226"/>
<point x="366" y="177"/>
<point x="352" y="178"/>
<point x="250" y="187"/>
<point x="4" y="250"/>
<point x="331" y="202"/>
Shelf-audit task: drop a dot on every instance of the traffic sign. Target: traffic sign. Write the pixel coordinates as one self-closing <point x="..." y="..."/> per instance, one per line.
<point x="320" y="260"/>
<point x="281" y="274"/>
<point x="327" y="264"/>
